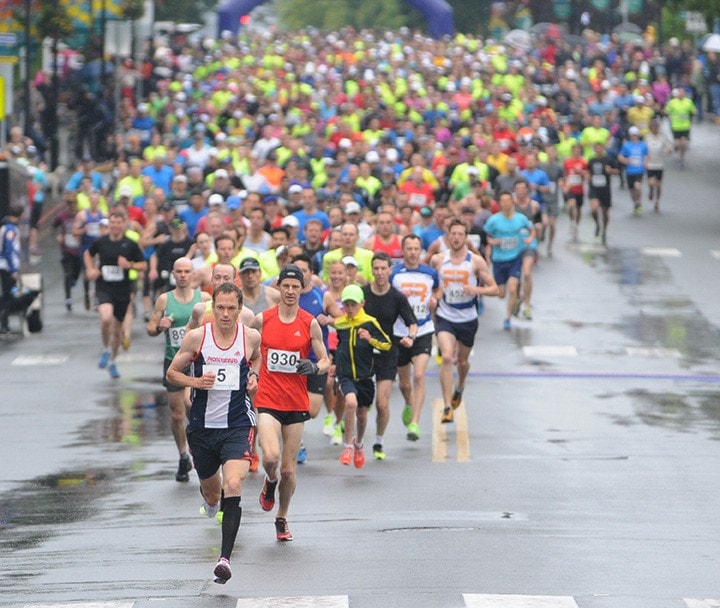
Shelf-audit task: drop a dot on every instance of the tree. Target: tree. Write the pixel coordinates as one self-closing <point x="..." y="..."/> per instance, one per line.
<point x="183" y="11"/>
<point x="709" y="8"/>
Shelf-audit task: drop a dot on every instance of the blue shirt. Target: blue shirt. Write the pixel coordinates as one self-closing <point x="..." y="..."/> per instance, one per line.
<point x="192" y="218"/>
<point x="303" y="217"/>
<point x="162" y="177"/>
<point x="429" y="235"/>
<point x="312" y="302"/>
<point x="74" y="182"/>
<point x="635" y="153"/>
<point x="537" y="177"/>
<point x="508" y="230"/>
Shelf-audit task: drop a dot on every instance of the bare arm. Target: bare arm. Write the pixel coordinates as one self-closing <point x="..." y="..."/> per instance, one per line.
<point x="188" y="350"/>
<point x="318" y="346"/>
<point x="158" y="321"/>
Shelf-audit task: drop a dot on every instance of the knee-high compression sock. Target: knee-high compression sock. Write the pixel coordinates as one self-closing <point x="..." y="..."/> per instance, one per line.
<point x="232" y="513"/>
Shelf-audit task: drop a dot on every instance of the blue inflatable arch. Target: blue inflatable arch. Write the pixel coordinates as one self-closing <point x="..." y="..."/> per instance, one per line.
<point x="438" y="13"/>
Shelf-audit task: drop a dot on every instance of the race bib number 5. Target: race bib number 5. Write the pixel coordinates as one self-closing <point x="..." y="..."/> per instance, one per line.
<point x="282" y="361"/>
<point x="227" y="377"/>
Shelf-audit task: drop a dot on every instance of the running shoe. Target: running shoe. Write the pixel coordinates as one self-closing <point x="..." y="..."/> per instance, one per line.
<point x="68" y="304"/>
<point x="114" y="373"/>
<point x="302" y="455"/>
<point x="209" y="511"/>
<point x="346" y="456"/>
<point x="638" y="210"/>
<point x="222" y="571"/>
<point x="456" y="398"/>
<point x="254" y="462"/>
<point x="527" y="312"/>
<point x="104" y="359"/>
<point x="184" y="468"/>
<point x="337" y="435"/>
<point x="359" y="457"/>
<point x="267" y="494"/>
<point x="282" y="531"/>
<point x="604" y="238"/>
<point x="516" y="308"/>
<point x="378" y="452"/>
<point x="447" y="415"/>
<point x="506" y="325"/>
<point x="597" y="230"/>
<point x="407" y="415"/>
<point x="329" y="425"/>
<point x="413" y="432"/>
<point x="219" y="517"/>
<point x="125" y="342"/>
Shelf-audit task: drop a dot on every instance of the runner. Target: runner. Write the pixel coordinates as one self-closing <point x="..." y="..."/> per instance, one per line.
<point x="223" y="360"/>
<point x="170" y="315"/>
<point x="387" y="305"/>
<point x="117" y="255"/>
<point x="659" y="146"/>
<point x="288" y="333"/>
<point x="358" y="335"/>
<point x="419" y="284"/>
<point x="574" y="189"/>
<point x="633" y="155"/>
<point x="70" y="255"/>
<point x="680" y="109"/>
<point x="464" y="276"/>
<point x="601" y="167"/>
<point x="556" y="175"/>
<point x="506" y="230"/>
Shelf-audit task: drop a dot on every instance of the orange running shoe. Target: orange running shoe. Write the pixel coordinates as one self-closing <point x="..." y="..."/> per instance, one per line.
<point x="346" y="456"/>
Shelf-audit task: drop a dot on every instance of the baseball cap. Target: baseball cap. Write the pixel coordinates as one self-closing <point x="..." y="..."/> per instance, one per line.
<point x="216" y="199"/>
<point x="249" y="264"/>
<point x="633" y="131"/>
<point x="352" y="293"/>
<point x="295" y="189"/>
<point x="344" y="181"/>
<point x="125" y="191"/>
<point x="167" y="206"/>
<point x="352" y="207"/>
<point x="282" y="250"/>
<point x="233" y="202"/>
<point x="349" y="260"/>
<point x="291" y="271"/>
<point x="387" y="184"/>
<point x="290" y="220"/>
<point x="372" y="157"/>
<point x="177" y="223"/>
<point x="270" y="198"/>
<point x="221" y="173"/>
<point x="426" y="211"/>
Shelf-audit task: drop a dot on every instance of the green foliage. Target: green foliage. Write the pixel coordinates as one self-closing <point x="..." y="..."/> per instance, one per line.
<point x="53" y="21"/>
<point x="132" y="9"/>
<point x="709" y="8"/>
<point x="183" y="11"/>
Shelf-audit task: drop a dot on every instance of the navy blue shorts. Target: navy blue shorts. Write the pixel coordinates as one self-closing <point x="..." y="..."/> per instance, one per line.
<point x="502" y="271"/>
<point x="364" y="388"/>
<point x="464" y="332"/>
<point x="211" y="448"/>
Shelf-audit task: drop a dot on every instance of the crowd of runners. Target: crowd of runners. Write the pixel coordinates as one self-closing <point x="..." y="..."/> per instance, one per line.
<point x="305" y="218"/>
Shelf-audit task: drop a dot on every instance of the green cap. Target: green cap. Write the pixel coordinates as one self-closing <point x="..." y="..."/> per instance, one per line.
<point x="352" y="293"/>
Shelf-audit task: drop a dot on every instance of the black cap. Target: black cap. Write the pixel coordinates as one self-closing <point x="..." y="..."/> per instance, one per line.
<point x="249" y="264"/>
<point x="291" y="271"/>
<point x="176" y="222"/>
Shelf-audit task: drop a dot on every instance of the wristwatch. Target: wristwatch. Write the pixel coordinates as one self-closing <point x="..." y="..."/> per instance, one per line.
<point x="412" y="338"/>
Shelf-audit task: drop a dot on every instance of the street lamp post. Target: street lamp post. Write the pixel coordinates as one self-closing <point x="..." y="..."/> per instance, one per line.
<point x="27" y="126"/>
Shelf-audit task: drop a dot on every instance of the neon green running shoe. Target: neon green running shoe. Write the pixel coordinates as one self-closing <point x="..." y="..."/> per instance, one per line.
<point x="407" y="415"/>
<point x="413" y="432"/>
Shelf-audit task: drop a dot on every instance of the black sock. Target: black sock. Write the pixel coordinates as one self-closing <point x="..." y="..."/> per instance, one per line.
<point x="232" y="512"/>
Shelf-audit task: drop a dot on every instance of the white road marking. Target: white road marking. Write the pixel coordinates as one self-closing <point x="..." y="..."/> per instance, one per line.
<point x="473" y="600"/>
<point x="137" y="358"/>
<point x="46" y="359"/>
<point x="309" y="601"/>
<point x="702" y="603"/>
<point x="652" y="352"/>
<point x="661" y="252"/>
<point x="128" y="604"/>
<point x="550" y="351"/>
<point x="715" y="253"/>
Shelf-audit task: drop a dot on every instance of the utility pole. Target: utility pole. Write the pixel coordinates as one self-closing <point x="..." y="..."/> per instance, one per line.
<point x="103" y="27"/>
<point x="28" y="69"/>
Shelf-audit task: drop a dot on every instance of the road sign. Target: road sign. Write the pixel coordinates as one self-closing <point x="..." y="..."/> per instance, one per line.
<point x="695" y="22"/>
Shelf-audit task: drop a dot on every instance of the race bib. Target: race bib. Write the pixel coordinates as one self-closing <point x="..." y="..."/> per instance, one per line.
<point x="455" y="294"/>
<point x="282" y="361"/>
<point x="112" y="274"/>
<point x="176" y="335"/>
<point x="575" y="180"/>
<point x="636" y="161"/>
<point x="417" y="200"/>
<point x="227" y="377"/>
<point x="598" y="181"/>
<point x="553" y="187"/>
<point x="92" y="229"/>
<point x="508" y="243"/>
<point x="71" y="241"/>
<point x="420" y="309"/>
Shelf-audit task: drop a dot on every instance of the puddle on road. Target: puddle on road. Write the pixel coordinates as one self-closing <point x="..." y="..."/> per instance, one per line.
<point x="135" y="416"/>
<point x="30" y="514"/>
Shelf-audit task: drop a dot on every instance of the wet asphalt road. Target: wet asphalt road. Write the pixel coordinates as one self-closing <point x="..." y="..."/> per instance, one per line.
<point x="592" y="434"/>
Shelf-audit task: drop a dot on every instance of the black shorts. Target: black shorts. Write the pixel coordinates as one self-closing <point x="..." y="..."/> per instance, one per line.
<point x="120" y="304"/>
<point x="286" y="418"/>
<point x="364" y="388"/>
<point x="421" y="346"/>
<point x="656" y="174"/>
<point x="604" y="198"/>
<point x="386" y="364"/>
<point x="211" y="448"/>
<point x="316" y="383"/>
<point x="463" y="332"/>
<point x="579" y="198"/>
<point x="636" y="178"/>
<point x="172" y="388"/>
<point x="35" y="214"/>
<point x="681" y="134"/>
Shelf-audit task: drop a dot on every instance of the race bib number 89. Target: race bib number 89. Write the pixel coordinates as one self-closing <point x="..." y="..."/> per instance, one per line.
<point x="282" y="361"/>
<point x="227" y="377"/>
<point x="176" y="335"/>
